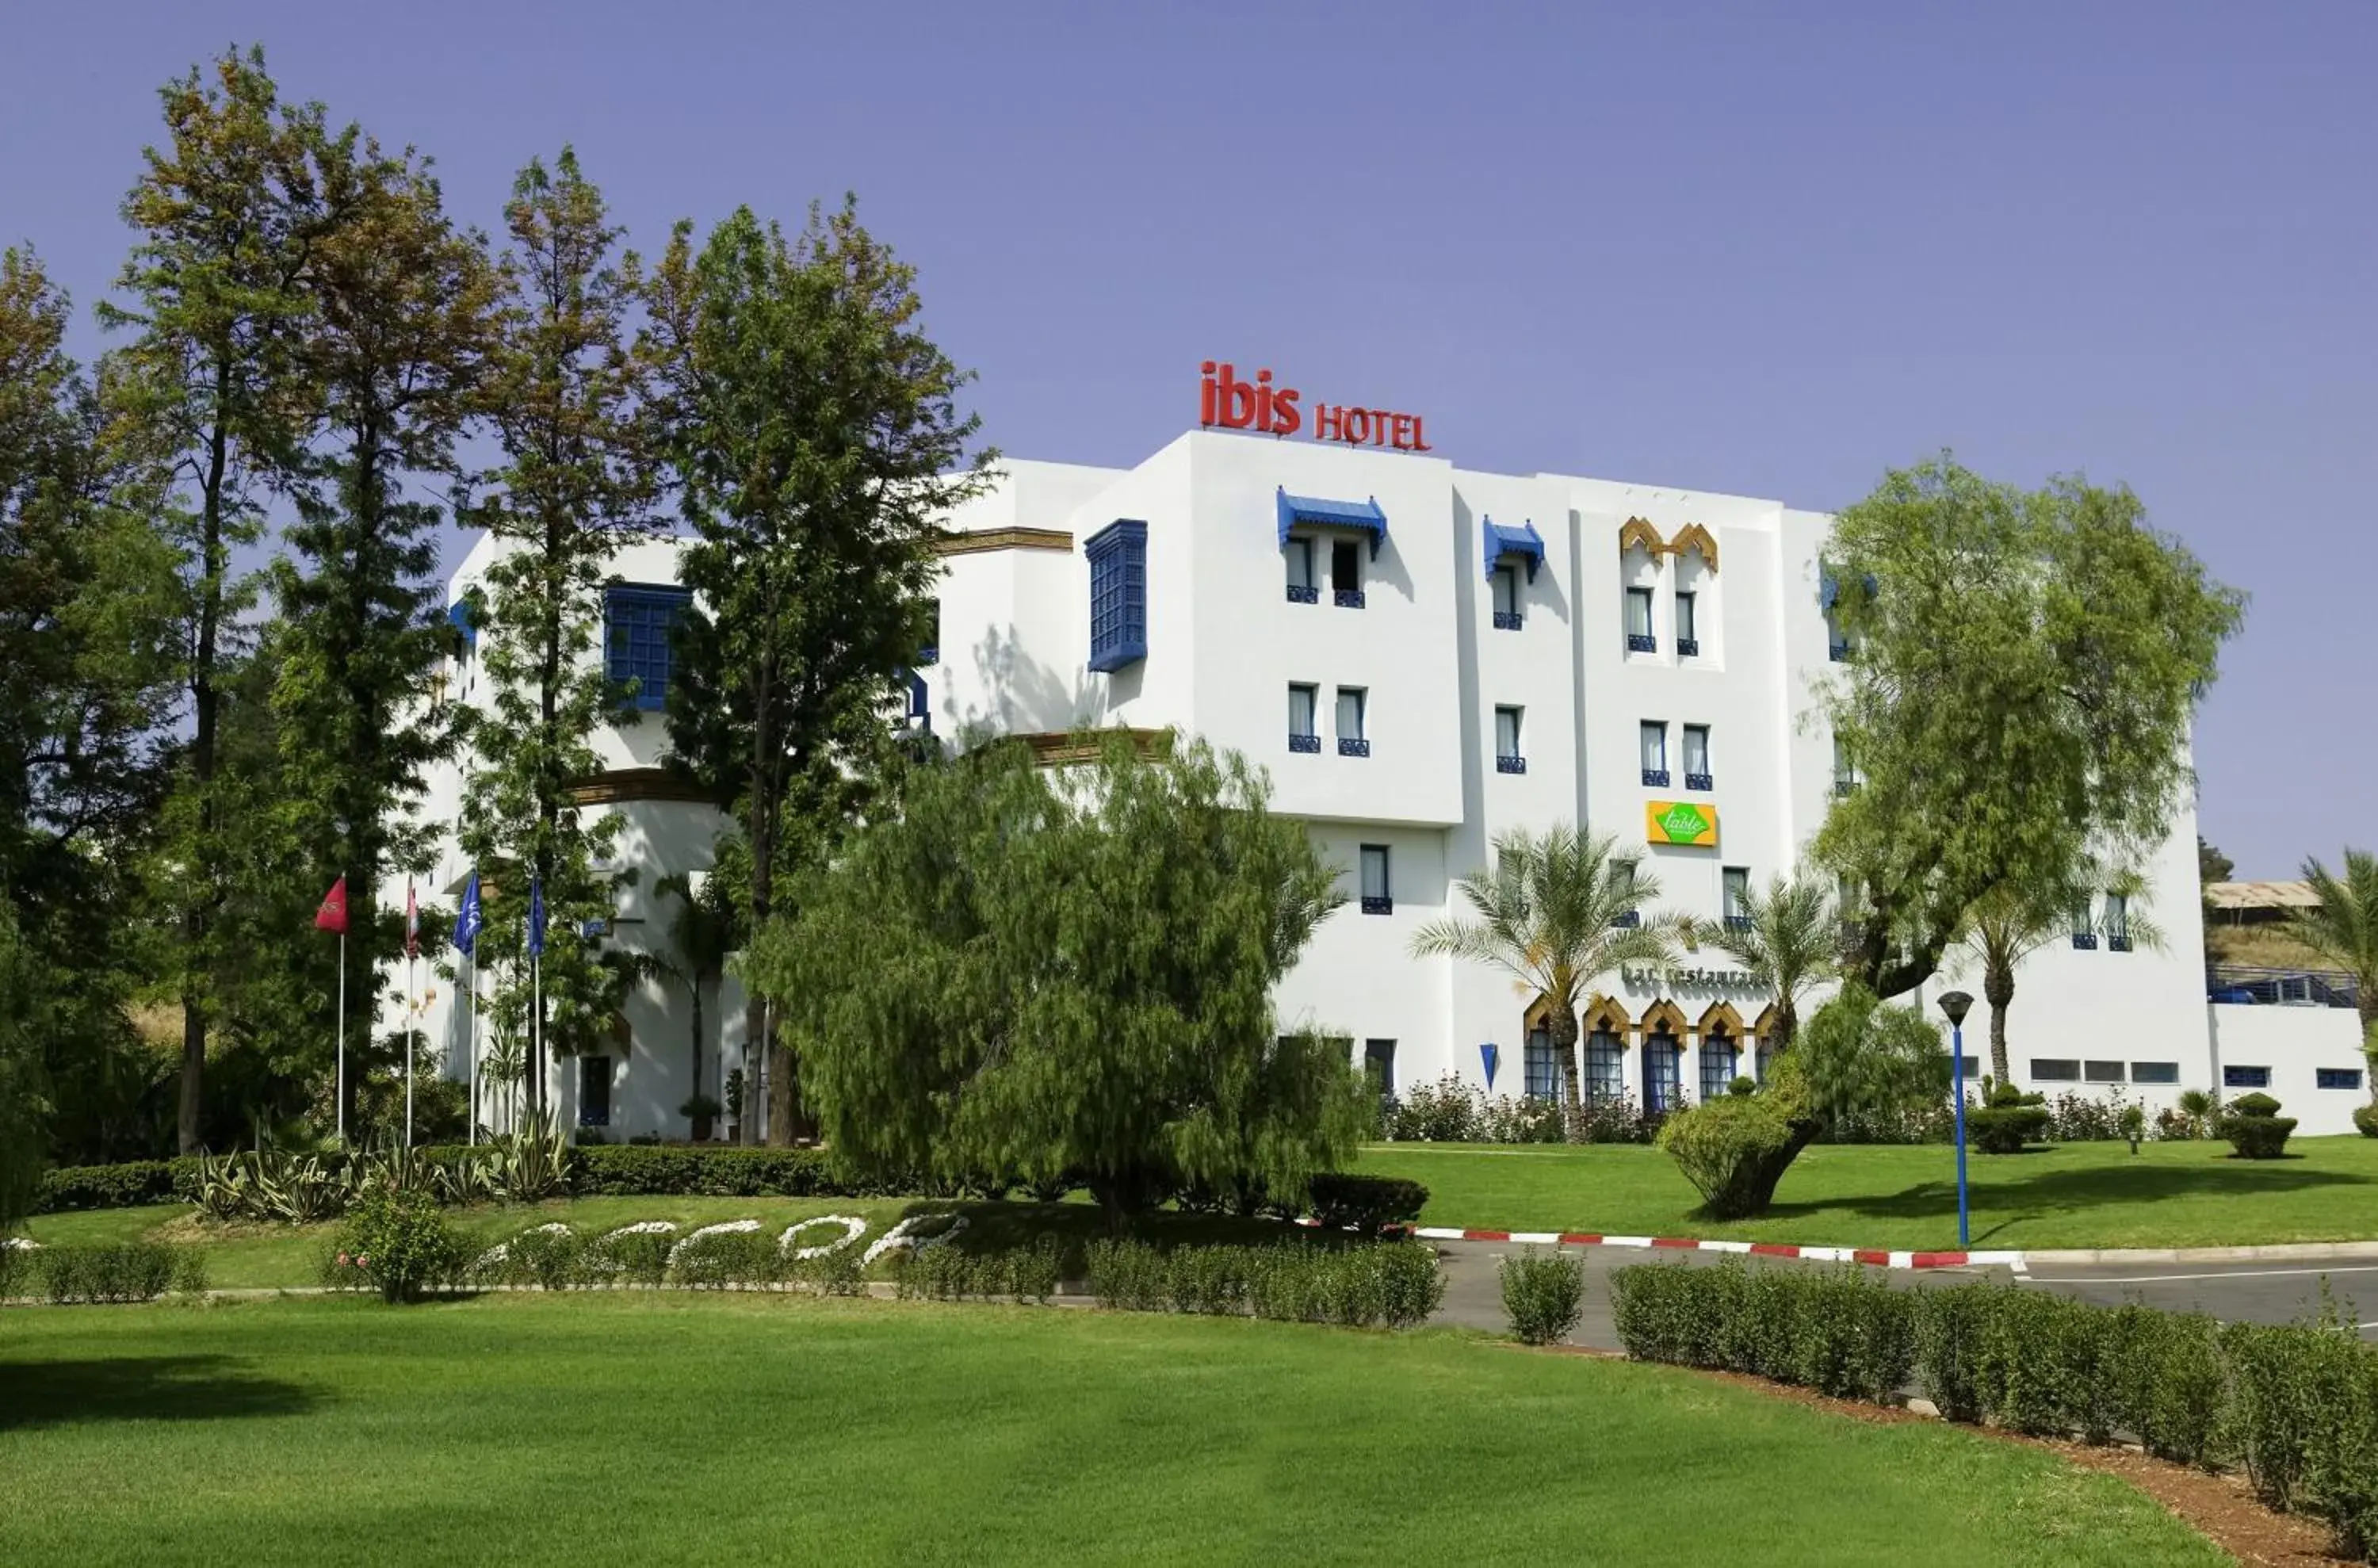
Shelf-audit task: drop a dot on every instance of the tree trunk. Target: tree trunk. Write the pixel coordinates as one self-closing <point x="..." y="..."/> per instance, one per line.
<point x="1564" y="1031"/>
<point x="205" y="704"/>
<point x="696" y="988"/>
<point x="1753" y="1191"/>
<point x="1998" y="990"/>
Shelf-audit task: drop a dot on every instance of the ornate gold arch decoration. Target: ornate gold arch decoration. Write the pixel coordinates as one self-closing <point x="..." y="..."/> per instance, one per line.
<point x="1635" y="532"/>
<point x="1720" y="1013"/>
<point x="1604" y="1015"/>
<point x="1664" y="1017"/>
<point x="1693" y="536"/>
<point x="1767" y="1023"/>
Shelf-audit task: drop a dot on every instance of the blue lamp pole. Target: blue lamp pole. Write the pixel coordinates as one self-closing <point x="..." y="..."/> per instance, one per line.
<point x="1956" y="1004"/>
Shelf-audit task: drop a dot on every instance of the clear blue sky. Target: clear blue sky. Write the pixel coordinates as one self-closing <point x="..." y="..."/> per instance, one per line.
<point x="1764" y="248"/>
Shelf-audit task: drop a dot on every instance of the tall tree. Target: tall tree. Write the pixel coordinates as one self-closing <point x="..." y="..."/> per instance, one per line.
<point x="2008" y="924"/>
<point x="2025" y="669"/>
<point x="1018" y="973"/>
<point x="2345" y="928"/>
<point x="24" y="1107"/>
<point x="401" y="319"/>
<point x="1788" y="938"/>
<point x="212" y="388"/>
<point x="1557" y="913"/>
<point x="816" y="443"/>
<point x="565" y="396"/>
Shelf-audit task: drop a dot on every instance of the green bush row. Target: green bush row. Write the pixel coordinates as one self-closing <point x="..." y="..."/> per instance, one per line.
<point x="119" y="1271"/>
<point x="1388" y="1284"/>
<point x="399" y="1245"/>
<point x="2297" y="1407"/>
<point x="948" y="1273"/>
<point x="127" y="1186"/>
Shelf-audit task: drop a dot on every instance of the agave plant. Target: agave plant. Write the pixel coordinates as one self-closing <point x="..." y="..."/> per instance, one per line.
<point x="468" y="1180"/>
<point x="529" y="1164"/>
<point x="272" y="1185"/>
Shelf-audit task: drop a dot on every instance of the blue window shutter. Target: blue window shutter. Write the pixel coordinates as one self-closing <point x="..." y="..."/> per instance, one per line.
<point x="459" y="616"/>
<point x="1118" y="554"/>
<point x="637" y="621"/>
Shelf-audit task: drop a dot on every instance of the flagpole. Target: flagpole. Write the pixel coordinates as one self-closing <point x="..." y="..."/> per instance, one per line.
<point x="471" y="1040"/>
<point x="342" y="1039"/>
<point x="412" y="1007"/>
<point x="536" y="1025"/>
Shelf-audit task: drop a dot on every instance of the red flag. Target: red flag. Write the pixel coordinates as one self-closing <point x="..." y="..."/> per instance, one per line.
<point x="332" y="916"/>
<point x="412" y="922"/>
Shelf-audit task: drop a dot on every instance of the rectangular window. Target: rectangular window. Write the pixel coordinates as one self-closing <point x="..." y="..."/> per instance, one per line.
<point x="2055" y="1069"/>
<point x="1845" y="772"/>
<point x="1346" y="574"/>
<point x="1118" y="555"/>
<point x="637" y="621"/>
<point x="2155" y="1072"/>
<point x="1303" y="700"/>
<point x="2245" y="1077"/>
<point x="1737" y="895"/>
<point x="1353" y="741"/>
<point x="2118" y="922"/>
<point x="1654" y="734"/>
<point x="1604" y="1068"/>
<point x="2337" y="1077"/>
<point x="2085" y="928"/>
<point x="1542" y="1079"/>
<point x="1638" y="621"/>
<point x="2102" y="1072"/>
<point x="1506" y="741"/>
<point x="593" y="1092"/>
<point x="1697" y="758"/>
<point x="1688" y="636"/>
<point x="1378" y="893"/>
<point x="1379" y="1067"/>
<point x="1507" y="597"/>
<point x="1299" y="555"/>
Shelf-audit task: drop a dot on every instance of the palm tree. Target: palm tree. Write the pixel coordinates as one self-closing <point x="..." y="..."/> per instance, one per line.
<point x="2007" y="924"/>
<point x="702" y="935"/>
<point x="1787" y="938"/>
<point x="1556" y="913"/>
<point x="2345" y="928"/>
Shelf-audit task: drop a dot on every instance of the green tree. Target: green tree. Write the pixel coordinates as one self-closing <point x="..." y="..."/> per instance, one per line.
<point x="1030" y="973"/>
<point x="401" y="319"/>
<point x="2345" y="927"/>
<point x="24" y="1104"/>
<point x="2025" y="666"/>
<point x="1558" y="913"/>
<point x="1787" y="939"/>
<point x="565" y="394"/>
<point x="2008" y="924"/>
<point x="816" y="443"/>
<point x="212" y="391"/>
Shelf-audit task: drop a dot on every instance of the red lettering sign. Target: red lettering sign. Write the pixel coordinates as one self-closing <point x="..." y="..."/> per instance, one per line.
<point x="1224" y="401"/>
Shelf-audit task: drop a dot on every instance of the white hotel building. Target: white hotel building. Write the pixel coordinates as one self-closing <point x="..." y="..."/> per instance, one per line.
<point x="1423" y="656"/>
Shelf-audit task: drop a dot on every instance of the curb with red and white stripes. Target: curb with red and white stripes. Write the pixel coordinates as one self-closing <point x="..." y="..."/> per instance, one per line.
<point x="1877" y="1258"/>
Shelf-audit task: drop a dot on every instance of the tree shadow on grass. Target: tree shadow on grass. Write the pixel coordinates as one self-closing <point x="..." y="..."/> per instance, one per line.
<point x="142" y="1388"/>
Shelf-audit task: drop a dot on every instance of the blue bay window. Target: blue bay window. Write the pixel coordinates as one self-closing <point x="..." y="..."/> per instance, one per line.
<point x="637" y="621"/>
<point x="1118" y="555"/>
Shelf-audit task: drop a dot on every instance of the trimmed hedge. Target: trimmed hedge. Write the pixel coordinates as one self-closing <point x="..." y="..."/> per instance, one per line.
<point x="125" y="1186"/>
<point x="120" y="1271"/>
<point x="1384" y="1284"/>
<point x="2296" y="1407"/>
<point x="1342" y="1200"/>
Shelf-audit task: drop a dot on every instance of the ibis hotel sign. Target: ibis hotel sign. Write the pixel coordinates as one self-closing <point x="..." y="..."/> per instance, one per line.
<point x="1226" y="403"/>
<point x="1680" y="822"/>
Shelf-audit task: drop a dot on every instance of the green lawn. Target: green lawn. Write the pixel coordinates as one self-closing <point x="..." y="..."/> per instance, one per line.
<point x="2074" y="1195"/>
<point x="704" y="1428"/>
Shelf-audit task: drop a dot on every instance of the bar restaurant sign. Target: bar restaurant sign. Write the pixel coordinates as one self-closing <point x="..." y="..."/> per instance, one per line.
<point x="1680" y="822"/>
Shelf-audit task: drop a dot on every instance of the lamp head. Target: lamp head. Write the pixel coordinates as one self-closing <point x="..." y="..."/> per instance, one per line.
<point x="1956" y="1004"/>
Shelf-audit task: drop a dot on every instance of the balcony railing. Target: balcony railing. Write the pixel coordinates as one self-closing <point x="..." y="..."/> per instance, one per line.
<point x="1350" y="747"/>
<point x="1837" y="652"/>
<point x="1508" y="619"/>
<point x="1304" y="593"/>
<point x="1377" y="903"/>
<point x="1628" y="921"/>
<point x="1642" y="642"/>
<point x="1511" y="764"/>
<point x="1688" y="647"/>
<point x="2280" y="987"/>
<point x="1738" y="922"/>
<point x="1349" y="598"/>
<point x="2118" y="942"/>
<point x="1844" y="786"/>
<point x="1655" y="778"/>
<point x="2085" y="940"/>
<point x="1304" y="742"/>
<point x="1701" y="781"/>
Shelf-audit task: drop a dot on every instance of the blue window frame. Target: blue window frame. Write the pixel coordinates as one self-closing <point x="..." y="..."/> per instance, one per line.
<point x="2245" y="1077"/>
<point x="2337" y="1078"/>
<point x="1378" y="890"/>
<point x="1542" y="1079"/>
<point x="1604" y="1068"/>
<point x="1664" y="1085"/>
<point x="637" y="621"/>
<point x="1118" y="555"/>
<point x="1721" y="1065"/>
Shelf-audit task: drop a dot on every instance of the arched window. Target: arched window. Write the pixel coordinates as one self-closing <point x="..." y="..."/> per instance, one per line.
<point x="1604" y="1079"/>
<point x="1662" y="1072"/>
<point x="1720" y="1063"/>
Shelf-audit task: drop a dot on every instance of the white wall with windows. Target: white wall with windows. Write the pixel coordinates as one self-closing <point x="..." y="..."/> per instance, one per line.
<point x="1422" y="657"/>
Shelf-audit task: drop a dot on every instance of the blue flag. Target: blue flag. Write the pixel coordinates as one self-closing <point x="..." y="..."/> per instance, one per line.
<point x="536" y="918"/>
<point x="467" y="919"/>
<point x="1490" y="1056"/>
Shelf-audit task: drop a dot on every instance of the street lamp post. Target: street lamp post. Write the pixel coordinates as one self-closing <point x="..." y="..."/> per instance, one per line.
<point x="1956" y="1004"/>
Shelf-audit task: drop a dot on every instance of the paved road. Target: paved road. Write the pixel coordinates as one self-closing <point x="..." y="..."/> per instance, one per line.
<point x="2275" y="1292"/>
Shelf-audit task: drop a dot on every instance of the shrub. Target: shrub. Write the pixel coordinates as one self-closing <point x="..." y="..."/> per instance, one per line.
<point x="190" y="1272"/>
<point x="629" y="1256"/>
<point x="1388" y="1283"/>
<point x="720" y="1171"/>
<point x="105" y="1272"/>
<point x="1442" y="1112"/>
<point x="1024" y="1273"/>
<point x="2173" y="1384"/>
<point x="72" y="1187"/>
<point x="398" y="1244"/>
<point x="1745" y="1085"/>
<point x="2077" y="1119"/>
<point x="1949" y="1330"/>
<point x="2009" y="1121"/>
<point x="1729" y="1149"/>
<point x="1544" y="1294"/>
<point x="716" y="1259"/>
<point x="1342" y="1200"/>
<point x="2255" y="1127"/>
<point x="1838" y="1330"/>
<point x="549" y="1257"/>
<point x="1618" y="1120"/>
<point x="2365" y="1120"/>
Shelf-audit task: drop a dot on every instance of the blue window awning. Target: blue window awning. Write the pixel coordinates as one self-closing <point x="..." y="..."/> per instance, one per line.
<point x="1317" y="513"/>
<point x="1522" y="540"/>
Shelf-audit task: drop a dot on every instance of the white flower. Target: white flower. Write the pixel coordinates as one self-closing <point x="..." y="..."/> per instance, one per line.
<point x="853" y="1227"/>
<point x="604" y="1262"/>
<point x="503" y="1249"/>
<point x="725" y="1227"/>
<point x="20" y="1244"/>
<point x="903" y="1235"/>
